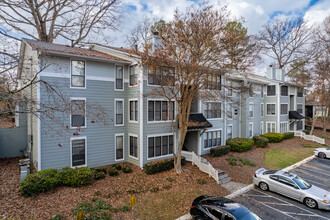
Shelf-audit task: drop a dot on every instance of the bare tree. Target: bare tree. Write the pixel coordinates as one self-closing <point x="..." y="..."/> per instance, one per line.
<point x="47" y="20"/>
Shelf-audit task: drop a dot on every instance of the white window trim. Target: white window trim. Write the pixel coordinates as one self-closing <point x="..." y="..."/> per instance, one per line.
<point x="129" y="113"/>
<point x="262" y="128"/>
<point x="115" y="76"/>
<point x="267" y="92"/>
<point x="270" y="103"/>
<point x="270" y="122"/>
<point x="116" y="135"/>
<point x="302" y="107"/>
<point x="129" y="76"/>
<point x="281" y="91"/>
<point x="262" y="106"/>
<point x="212" y="130"/>
<point x="78" y="99"/>
<point x="287" y="125"/>
<point x="78" y="138"/>
<point x="161" y="121"/>
<point x="251" y="103"/>
<point x="228" y="89"/>
<point x="263" y="91"/>
<point x="115" y="111"/>
<point x="160" y="135"/>
<point x="287" y="112"/>
<point x="251" y="123"/>
<point x="221" y="110"/>
<point x="129" y="146"/>
<point x="151" y="85"/>
<point x="76" y="87"/>
<point x="230" y="125"/>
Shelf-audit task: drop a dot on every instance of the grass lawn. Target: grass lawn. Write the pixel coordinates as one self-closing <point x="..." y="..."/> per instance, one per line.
<point x="280" y="158"/>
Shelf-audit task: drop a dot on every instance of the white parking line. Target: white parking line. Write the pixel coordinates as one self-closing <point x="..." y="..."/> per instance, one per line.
<point x="257" y="195"/>
<point x="275" y="203"/>
<point x="312" y="181"/>
<point x="293" y="213"/>
<point x="313" y="170"/>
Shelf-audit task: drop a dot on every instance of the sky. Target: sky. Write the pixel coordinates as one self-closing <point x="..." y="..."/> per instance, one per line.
<point x="255" y="12"/>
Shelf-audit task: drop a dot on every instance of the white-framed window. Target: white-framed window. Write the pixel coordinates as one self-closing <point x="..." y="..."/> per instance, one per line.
<point x="250" y="129"/>
<point x="229" y="88"/>
<point x="229" y="131"/>
<point x="271" y="109"/>
<point x="261" y="127"/>
<point x="78" y="151"/>
<point x="119" y="111"/>
<point x="270" y="127"/>
<point x="300" y="108"/>
<point x="213" y="82"/>
<point x="284" y="109"/>
<point x="212" y="138"/>
<point x="284" y="90"/>
<point x="119" y="78"/>
<point x="284" y="127"/>
<point x="212" y="109"/>
<point x="300" y="92"/>
<point x="299" y="125"/>
<point x="78" y="74"/>
<point x="78" y="113"/>
<point x="161" y="76"/>
<point x="251" y="108"/>
<point x="119" y="143"/>
<point x="271" y="90"/>
<point x="133" y="145"/>
<point x="133" y="76"/>
<point x="262" y="109"/>
<point x="133" y="108"/>
<point x="262" y="92"/>
<point x="159" y="146"/>
<point x="160" y="110"/>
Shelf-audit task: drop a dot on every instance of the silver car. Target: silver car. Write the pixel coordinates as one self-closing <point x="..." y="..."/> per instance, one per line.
<point x="322" y="152"/>
<point x="290" y="185"/>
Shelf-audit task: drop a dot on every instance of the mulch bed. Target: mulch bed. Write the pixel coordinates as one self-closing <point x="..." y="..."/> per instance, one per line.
<point x="113" y="190"/>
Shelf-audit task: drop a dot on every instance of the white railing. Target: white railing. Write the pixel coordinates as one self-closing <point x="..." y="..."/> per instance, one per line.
<point x="309" y="137"/>
<point x="202" y="164"/>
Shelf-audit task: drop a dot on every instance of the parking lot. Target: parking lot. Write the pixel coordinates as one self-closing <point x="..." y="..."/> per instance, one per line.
<point x="270" y="205"/>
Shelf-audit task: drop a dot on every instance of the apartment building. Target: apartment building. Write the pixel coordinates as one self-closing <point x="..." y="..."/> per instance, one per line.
<point x="139" y="129"/>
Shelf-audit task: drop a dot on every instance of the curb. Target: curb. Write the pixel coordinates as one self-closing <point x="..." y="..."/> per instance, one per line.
<point x="299" y="163"/>
<point x="240" y="191"/>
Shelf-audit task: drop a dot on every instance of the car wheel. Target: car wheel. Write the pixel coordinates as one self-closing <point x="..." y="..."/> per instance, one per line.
<point x="310" y="203"/>
<point x="321" y="155"/>
<point x="263" y="186"/>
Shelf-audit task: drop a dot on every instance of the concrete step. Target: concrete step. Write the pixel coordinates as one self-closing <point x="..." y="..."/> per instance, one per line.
<point x="220" y="172"/>
<point x="225" y="180"/>
<point x="220" y="177"/>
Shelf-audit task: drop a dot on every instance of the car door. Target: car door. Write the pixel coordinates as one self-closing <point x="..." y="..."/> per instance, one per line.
<point x="216" y="213"/>
<point x="273" y="183"/>
<point x="289" y="188"/>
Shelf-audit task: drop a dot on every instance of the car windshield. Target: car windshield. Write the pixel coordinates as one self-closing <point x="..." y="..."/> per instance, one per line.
<point x="242" y="213"/>
<point x="301" y="183"/>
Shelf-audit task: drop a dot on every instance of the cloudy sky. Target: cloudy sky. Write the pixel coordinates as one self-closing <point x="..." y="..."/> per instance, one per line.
<point x="255" y="12"/>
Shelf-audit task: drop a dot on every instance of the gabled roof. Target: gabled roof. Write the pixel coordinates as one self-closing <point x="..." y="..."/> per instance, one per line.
<point x="52" y="48"/>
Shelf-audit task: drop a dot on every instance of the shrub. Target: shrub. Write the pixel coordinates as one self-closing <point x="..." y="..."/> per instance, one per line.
<point x="160" y="165"/>
<point x="66" y="174"/>
<point x="99" y="174"/>
<point x="57" y="217"/>
<point x="288" y="135"/>
<point x="127" y="169"/>
<point x="97" y="209"/>
<point x="113" y="171"/>
<point x="82" y="176"/>
<point x="260" y="141"/>
<point x="273" y="137"/>
<point x="117" y="166"/>
<point x="220" y="151"/>
<point x="240" y="144"/>
<point x="124" y="208"/>
<point x="307" y="132"/>
<point x="101" y="169"/>
<point x="201" y="181"/>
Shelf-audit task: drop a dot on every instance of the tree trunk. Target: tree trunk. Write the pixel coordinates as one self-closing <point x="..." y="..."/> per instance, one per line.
<point x="313" y="120"/>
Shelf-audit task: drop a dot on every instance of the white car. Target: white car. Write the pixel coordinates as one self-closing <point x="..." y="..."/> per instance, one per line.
<point x="322" y="152"/>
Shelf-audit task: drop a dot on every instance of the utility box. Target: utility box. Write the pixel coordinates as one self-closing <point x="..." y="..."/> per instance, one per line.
<point x="24" y="167"/>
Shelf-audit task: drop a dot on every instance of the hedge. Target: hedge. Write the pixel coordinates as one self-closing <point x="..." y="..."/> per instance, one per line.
<point x="273" y="137"/>
<point x="240" y="144"/>
<point x="288" y="135"/>
<point x="260" y="141"/>
<point x="99" y="173"/>
<point x="113" y="171"/>
<point x="160" y="165"/>
<point x="49" y="179"/>
<point x="220" y="151"/>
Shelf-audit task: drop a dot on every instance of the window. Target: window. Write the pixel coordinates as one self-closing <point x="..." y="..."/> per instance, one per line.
<point x="78" y="113"/>
<point x="284" y="109"/>
<point x="251" y="91"/>
<point x="212" y="139"/>
<point x="119" y="78"/>
<point x="299" y="125"/>
<point x="119" y="112"/>
<point x="119" y="147"/>
<point x="250" y="130"/>
<point x="133" y="147"/>
<point x="230" y="88"/>
<point x="271" y="127"/>
<point x="286" y="181"/>
<point x="213" y="82"/>
<point x="133" y="77"/>
<point x="160" y="110"/>
<point x="270" y="109"/>
<point x="300" y="108"/>
<point x="300" y="92"/>
<point x="251" y="110"/>
<point x="283" y="127"/>
<point x="271" y="90"/>
<point x="230" y="111"/>
<point x="229" y="131"/>
<point x="133" y="110"/>
<point x="161" y="76"/>
<point x="212" y="109"/>
<point x="77" y="73"/>
<point x="160" y="146"/>
<point x="261" y="127"/>
<point x="262" y="92"/>
<point x="236" y="111"/>
<point x="78" y="152"/>
<point x="284" y="91"/>
<point x="262" y="109"/>
<point x="216" y="213"/>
